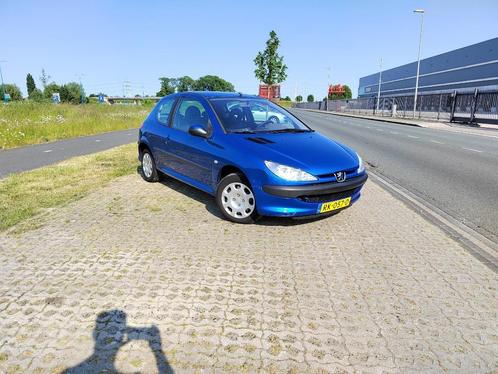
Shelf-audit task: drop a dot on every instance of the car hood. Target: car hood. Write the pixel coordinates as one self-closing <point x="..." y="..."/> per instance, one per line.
<point x="309" y="151"/>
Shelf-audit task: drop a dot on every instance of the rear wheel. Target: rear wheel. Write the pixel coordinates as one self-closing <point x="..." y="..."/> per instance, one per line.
<point x="236" y="200"/>
<point x="148" y="170"/>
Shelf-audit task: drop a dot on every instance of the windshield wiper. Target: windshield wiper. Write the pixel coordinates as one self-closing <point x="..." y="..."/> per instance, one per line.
<point x="243" y="132"/>
<point x="288" y="130"/>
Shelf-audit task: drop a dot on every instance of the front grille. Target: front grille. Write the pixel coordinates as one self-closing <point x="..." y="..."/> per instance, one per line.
<point x="328" y="197"/>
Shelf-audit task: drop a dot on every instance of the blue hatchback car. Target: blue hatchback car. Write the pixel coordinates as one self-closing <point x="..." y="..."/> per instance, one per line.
<point x="255" y="157"/>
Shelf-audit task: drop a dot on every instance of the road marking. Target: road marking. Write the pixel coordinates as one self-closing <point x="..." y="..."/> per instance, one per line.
<point x="437" y="142"/>
<point x="413" y="137"/>
<point x="97" y="140"/>
<point x="47" y="151"/>
<point x="473" y="150"/>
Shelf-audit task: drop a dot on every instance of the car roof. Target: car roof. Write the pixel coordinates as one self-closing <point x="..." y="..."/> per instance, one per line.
<point x="218" y="94"/>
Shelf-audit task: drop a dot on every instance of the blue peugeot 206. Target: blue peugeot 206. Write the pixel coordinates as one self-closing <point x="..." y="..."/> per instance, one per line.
<point x="254" y="157"/>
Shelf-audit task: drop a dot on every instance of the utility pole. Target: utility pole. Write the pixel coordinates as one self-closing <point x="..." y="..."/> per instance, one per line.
<point x="421" y="12"/>
<point x="380" y="82"/>
<point x="1" y="78"/>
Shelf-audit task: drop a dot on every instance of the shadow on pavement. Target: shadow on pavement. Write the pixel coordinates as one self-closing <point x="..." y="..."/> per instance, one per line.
<point x="111" y="333"/>
<point x="212" y="208"/>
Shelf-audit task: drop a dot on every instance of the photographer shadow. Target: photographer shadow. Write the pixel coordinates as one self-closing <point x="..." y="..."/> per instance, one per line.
<point x="110" y="334"/>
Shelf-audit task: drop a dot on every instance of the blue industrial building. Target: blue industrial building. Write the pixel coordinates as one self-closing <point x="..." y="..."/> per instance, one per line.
<point x="463" y="69"/>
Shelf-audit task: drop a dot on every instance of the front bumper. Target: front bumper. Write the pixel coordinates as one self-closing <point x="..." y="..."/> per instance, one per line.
<point x="305" y="200"/>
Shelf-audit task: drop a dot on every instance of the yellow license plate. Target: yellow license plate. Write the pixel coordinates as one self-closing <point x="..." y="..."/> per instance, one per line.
<point x="334" y="205"/>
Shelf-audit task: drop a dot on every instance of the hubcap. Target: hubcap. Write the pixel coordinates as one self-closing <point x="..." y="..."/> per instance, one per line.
<point x="238" y="200"/>
<point x="147" y="165"/>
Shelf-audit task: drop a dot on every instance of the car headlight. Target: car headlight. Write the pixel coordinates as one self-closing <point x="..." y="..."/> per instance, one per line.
<point x="289" y="173"/>
<point x="361" y="167"/>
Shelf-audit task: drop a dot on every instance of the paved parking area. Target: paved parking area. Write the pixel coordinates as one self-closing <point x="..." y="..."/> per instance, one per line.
<point x="141" y="277"/>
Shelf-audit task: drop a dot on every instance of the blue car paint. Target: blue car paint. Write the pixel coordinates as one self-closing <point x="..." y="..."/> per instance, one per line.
<point x="199" y="162"/>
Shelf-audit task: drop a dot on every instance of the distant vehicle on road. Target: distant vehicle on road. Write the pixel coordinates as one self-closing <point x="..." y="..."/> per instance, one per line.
<point x="252" y="155"/>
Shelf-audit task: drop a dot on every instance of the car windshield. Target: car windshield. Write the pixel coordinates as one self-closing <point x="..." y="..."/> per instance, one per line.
<point x="246" y="116"/>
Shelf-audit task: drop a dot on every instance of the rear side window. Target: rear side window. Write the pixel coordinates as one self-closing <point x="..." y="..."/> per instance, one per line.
<point x="165" y="110"/>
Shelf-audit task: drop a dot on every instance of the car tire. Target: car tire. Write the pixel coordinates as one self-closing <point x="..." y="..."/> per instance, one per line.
<point x="274" y="119"/>
<point x="235" y="199"/>
<point x="148" y="169"/>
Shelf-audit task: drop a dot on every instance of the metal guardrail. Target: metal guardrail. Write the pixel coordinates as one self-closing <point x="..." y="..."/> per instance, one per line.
<point x="466" y="107"/>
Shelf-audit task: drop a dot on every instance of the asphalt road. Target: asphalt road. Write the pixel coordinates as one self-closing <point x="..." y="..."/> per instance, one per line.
<point x="35" y="156"/>
<point x="458" y="173"/>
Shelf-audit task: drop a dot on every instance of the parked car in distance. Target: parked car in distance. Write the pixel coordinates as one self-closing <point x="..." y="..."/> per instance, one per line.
<point x="254" y="157"/>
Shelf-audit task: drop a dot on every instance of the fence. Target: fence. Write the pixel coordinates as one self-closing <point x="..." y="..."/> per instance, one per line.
<point x="467" y="107"/>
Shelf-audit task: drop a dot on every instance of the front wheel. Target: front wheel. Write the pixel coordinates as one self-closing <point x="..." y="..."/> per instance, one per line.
<point x="236" y="200"/>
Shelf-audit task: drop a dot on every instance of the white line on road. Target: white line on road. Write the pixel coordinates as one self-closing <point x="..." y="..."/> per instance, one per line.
<point x="473" y="150"/>
<point x="97" y="140"/>
<point x="413" y="136"/>
<point x="47" y="151"/>
<point x="437" y="142"/>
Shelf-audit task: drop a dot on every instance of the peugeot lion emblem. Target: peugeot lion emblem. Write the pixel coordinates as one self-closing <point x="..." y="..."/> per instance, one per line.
<point x="340" y="176"/>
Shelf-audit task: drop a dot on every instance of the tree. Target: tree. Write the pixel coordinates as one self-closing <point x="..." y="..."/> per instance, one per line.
<point x="44" y="78"/>
<point x="50" y="89"/>
<point x="13" y="91"/>
<point x="299" y="98"/>
<point x="71" y="93"/>
<point x="287" y="98"/>
<point x="30" y="84"/>
<point x="347" y="92"/>
<point x="167" y="86"/>
<point x="310" y="98"/>
<point x="185" y="84"/>
<point x="213" y="83"/>
<point x="270" y="67"/>
<point x="36" y="95"/>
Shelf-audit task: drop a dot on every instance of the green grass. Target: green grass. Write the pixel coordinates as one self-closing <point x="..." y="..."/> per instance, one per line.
<point x="25" y="194"/>
<point x="285" y="104"/>
<point x="23" y="123"/>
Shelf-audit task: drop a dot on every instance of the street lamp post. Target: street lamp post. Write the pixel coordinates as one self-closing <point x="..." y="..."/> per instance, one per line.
<point x="378" y="90"/>
<point x="421" y="12"/>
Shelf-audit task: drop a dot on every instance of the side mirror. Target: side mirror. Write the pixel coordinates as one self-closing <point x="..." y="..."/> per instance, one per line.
<point x="198" y="130"/>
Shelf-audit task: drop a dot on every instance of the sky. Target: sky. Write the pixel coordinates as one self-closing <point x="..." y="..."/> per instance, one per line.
<point x="111" y="44"/>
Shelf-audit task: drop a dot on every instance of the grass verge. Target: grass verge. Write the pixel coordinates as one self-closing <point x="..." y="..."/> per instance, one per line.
<point x="27" y="122"/>
<point x="25" y="194"/>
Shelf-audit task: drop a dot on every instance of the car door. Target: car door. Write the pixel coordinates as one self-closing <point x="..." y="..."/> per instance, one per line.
<point x="159" y="136"/>
<point x="191" y="155"/>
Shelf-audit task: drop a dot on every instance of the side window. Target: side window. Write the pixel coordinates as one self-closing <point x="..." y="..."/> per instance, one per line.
<point x="164" y="111"/>
<point x="190" y="112"/>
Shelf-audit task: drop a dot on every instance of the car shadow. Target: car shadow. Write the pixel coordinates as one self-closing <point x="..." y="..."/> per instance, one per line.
<point x="111" y="333"/>
<point x="212" y="208"/>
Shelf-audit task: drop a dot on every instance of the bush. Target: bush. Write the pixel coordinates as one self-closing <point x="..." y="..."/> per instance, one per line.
<point x="51" y="89"/>
<point x="13" y="91"/>
<point x="299" y="98"/>
<point x="310" y="98"/>
<point x="287" y="98"/>
<point x="71" y="93"/>
<point x="36" y="95"/>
